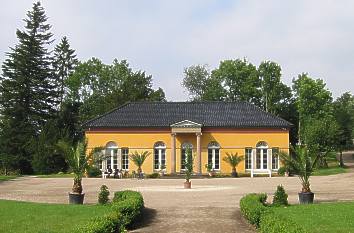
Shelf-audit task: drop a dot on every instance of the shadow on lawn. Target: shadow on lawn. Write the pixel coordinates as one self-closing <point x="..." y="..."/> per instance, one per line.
<point x="147" y="217"/>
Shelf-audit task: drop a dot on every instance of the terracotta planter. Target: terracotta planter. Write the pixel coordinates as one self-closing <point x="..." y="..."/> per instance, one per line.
<point x="76" y="198"/>
<point x="187" y="185"/>
<point x="211" y="174"/>
<point x="306" y="198"/>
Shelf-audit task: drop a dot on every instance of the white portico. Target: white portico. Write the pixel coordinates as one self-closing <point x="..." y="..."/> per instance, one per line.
<point x="185" y="127"/>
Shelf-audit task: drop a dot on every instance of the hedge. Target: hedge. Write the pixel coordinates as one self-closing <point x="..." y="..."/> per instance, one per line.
<point x="252" y="206"/>
<point x="129" y="204"/>
<point x="266" y="219"/>
<point x="125" y="209"/>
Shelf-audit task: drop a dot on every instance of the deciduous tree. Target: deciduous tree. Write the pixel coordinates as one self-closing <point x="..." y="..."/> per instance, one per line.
<point x="240" y="80"/>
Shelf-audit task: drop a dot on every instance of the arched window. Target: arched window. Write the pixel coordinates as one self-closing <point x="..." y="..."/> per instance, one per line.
<point x="184" y="153"/>
<point x="262" y="155"/>
<point x="111" y="157"/>
<point x="159" y="156"/>
<point x="214" y="155"/>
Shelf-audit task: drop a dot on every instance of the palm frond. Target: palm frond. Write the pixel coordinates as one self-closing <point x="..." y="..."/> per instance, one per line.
<point x="301" y="163"/>
<point x="139" y="158"/>
<point x="233" y="159"/>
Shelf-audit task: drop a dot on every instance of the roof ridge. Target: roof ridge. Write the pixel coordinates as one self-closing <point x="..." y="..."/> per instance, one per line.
<point x="188" y="102"/>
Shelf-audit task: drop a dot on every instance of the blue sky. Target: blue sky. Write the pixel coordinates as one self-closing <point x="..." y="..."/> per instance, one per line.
<point x="164" y="37"/>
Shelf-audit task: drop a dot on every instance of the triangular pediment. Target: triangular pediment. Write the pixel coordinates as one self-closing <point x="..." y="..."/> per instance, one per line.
<point x="186" y="124"/>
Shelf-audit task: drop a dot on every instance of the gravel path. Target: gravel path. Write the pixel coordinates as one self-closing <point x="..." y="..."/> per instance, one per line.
<point x="210" y="206"/>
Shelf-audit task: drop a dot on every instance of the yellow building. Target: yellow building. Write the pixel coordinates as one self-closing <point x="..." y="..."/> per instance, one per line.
<point x="211" y="129"/>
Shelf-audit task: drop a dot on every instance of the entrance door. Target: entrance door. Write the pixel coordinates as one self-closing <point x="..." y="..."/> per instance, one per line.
<point x="262" y="159"/>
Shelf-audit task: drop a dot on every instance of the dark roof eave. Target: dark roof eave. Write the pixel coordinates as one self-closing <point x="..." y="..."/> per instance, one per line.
<point x="206" y="126"/>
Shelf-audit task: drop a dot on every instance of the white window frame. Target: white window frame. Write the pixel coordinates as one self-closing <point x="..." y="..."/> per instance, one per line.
<point x="248" y="159"/>
<point x="161" y="148"/>
<point x="125" y="158"/>
<point x="275" y="169"/>
<point x="112" y="147"/>
<point x="213" y="146"/>
<point x="261" y="147"/>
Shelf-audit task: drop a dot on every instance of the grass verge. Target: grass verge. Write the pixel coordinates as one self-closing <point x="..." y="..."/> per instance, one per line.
<point x="4" y="178"/>
<point x="63" y="175"/>
<point x="329" y="171"/>
<point x="38" y="217"/>
<point x="322" y="218"/>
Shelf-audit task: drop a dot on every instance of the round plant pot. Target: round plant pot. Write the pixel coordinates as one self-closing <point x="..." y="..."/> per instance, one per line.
<point x="76" y="198"/>
<point x="306" y="198"/>
<point x="211" y="174"/>
<point x="187" y="185"/>
<point x="233" y="174"/>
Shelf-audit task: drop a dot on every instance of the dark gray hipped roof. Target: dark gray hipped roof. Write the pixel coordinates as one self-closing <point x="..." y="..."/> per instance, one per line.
<point x="209" y="114"/>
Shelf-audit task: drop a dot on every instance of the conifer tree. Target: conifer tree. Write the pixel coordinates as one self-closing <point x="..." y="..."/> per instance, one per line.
<point x="64" y="63"/>
<point x="28" y="87"/>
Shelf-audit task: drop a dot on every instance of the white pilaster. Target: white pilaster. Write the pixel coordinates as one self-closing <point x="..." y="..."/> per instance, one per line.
<point x="253" y="156"/>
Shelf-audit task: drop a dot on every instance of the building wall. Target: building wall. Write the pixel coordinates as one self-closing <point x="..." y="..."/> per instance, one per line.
<point x="230" y="140"/>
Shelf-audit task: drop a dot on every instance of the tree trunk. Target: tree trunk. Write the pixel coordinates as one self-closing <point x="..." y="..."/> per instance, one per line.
<point x="77" y="187"/>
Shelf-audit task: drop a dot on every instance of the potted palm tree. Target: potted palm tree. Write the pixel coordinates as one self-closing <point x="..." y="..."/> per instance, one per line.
<point x="139" y="159"/>
<point x="302" y="164"/>
<point x="188" y="164"/>
<point x="233" y="160"/>
<point x="78" y="163"/>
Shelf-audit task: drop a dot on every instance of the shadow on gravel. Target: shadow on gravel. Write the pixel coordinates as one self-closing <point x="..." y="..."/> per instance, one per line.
<point x="147" y="217"/>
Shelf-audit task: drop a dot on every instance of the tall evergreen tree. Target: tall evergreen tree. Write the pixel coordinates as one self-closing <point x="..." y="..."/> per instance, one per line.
<point x="64" y="63"/>
<point x="27" y="87"/>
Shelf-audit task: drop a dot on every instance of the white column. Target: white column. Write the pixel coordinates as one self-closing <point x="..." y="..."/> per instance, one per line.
<point x="253" y="154"/>
<point x="199" y="154"/>
<point x="269" y="161"/>
<point x="112" y="157"/>
<point x="173" y="153"/>
<point x="119" y="159"/>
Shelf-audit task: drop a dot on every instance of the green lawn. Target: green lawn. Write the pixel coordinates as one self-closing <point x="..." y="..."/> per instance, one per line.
<point x="3" y="178"/>
<point x="62" y="175"/>
<point x="329" y="171"/>
<point x="49" y="218"/>
<point x="322" y="218"/>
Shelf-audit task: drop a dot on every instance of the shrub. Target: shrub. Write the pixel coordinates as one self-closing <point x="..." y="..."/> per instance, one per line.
<point x="126" y="208"/>
<point x="266" y="219"/>
<point x="129" y="204"/>
<point x="109" y="223"/>
<point x="272" y="222"/>
<point x="281" y="171"/>
<point x="94" y="172"/>
<point x="280" y="197"/>
<point x="154" y="175"/>
<point x="252" y="206"/>
<point x="103" y="195"/>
